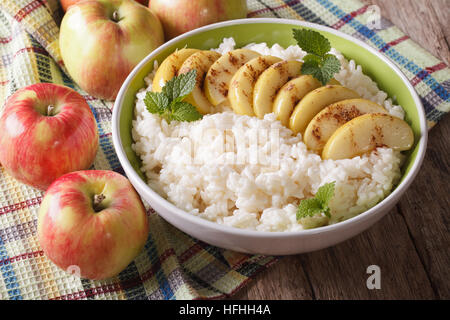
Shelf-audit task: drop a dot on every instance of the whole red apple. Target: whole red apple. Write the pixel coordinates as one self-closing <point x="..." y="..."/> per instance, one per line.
<point x="46" y="130"/>
<point x="101" y="41"/>
<point x="65" y="4"/>
<point x="93" y="220"/>
<point x="180" y="16"/>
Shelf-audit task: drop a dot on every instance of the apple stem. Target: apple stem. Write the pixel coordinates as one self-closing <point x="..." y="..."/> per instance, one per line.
<point x="98" y="198"/>
<point x="115" y="16"/>
<point x="50" y="109"/>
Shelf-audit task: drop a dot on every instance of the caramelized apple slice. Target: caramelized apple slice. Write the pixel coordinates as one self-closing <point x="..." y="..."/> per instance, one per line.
<point x="291" y="93"/>
<point x="218" y="78"/>
<point x="314" y="102"/>
<point x="242" y="84"/>
<point x="269" y="82"/>
<point x="170" y="67"/>
<point x="366" y="133"/>
<point x="200" y="61"/>
<point x="327" y="121"/>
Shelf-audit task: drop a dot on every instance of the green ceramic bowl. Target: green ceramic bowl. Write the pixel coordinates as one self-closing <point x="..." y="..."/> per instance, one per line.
<point x="245" y="31"/>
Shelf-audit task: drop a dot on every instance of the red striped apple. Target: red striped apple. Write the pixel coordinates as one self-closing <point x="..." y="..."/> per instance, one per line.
<point x="180" y="16"/>
<point x="101" y="41"/>
<point x="46" y="130"/>
<point x="92" y="220"/>
<point x="65" y="4"/>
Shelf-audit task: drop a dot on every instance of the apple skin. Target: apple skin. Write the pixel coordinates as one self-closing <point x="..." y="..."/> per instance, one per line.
<point x="65" y="4"/>
<point x="180" y="16"/>
<point x="98" y="52"/>
<point x="37" y="149"/>
<point x="102" y="242"/>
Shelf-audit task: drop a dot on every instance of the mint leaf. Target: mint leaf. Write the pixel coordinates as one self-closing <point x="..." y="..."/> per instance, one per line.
<point x="317" y="62"/>
<point x="169" y="104"/>
<point x="177" y="88"/>
<point x="312" y="58"/>
<point x="326" y="192"/>
<point x="312" y="67"/>
<point x="156" y="102"/>
<point x="308" y="208"/>
<point x="318" y="204"/>
<point x="330" y="67"/>
<point x="187" y="83"/>
<point x="183" y="111"/>
<point x="321" y="69"/>
<point x="312" y="41"/>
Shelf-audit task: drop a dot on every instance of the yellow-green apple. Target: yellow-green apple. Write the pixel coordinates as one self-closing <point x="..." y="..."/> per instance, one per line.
<point x="101" y="41"/>
<point x="46" y="130"/>
<point x="65" y="4"/>
<point x="93" y="220"/>
<point x="180" y="16"/>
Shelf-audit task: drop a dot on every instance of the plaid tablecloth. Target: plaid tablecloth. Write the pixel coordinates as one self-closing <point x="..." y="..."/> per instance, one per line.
<point x="173" y="265"/>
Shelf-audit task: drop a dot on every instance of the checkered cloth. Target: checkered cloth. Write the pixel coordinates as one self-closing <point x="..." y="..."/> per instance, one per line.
<point x="172" y="265"/>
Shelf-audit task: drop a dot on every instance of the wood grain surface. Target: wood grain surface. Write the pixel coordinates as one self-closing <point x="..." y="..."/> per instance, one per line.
<point x="411" y="244"/>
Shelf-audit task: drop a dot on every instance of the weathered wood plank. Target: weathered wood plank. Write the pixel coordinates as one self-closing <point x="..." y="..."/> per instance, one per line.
<point x="442" y="10"/>
<point x="426" y="208"/>
<point x="284" y="280"/>
<point x="340" y="272"/>
<point x="424" y="21"/>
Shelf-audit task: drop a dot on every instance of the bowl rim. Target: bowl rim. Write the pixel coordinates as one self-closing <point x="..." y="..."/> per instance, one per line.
<point x="391" y="199"/>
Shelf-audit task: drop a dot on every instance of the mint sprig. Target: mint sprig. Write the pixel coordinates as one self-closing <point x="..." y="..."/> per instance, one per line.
<point x="312" y="206"/>
<point x="169" y="103"/>
<point x="318" y="62"/>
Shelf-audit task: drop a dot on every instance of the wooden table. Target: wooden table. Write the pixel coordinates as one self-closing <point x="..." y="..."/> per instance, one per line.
<point x="411" y="244"/>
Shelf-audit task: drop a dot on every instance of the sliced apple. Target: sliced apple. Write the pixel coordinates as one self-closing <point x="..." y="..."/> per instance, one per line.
<point x="334" y="82"/>
<point x="291" y="93"/>
<point x="314" y="102"/>
<point x="219" y="75"/>
<point x="169" y="67"/>
<point x="366" y="133"/>
<point x="327" y="121"/>
<point x="200" y="61"/>
<point x="269" y="82"/>
<point x="242" y="84"/>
